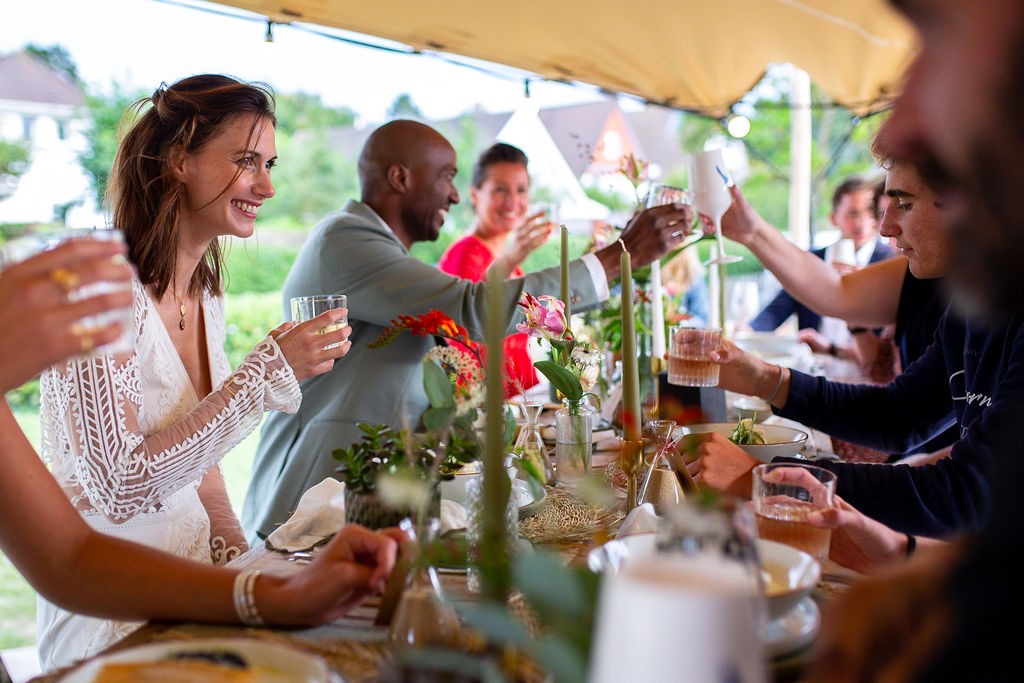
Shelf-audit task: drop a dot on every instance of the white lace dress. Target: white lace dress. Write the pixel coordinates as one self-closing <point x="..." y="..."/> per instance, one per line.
<point x="129" y="441"/>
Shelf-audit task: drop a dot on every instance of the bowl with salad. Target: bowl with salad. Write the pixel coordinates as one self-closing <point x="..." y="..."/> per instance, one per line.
<point x="759" y="440"/>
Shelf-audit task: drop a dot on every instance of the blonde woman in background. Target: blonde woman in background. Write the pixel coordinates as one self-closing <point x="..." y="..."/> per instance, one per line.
<point x="683" y="278"/>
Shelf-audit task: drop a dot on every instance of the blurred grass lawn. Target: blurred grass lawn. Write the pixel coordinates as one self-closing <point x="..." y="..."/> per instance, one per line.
<point x="18" y="600"/>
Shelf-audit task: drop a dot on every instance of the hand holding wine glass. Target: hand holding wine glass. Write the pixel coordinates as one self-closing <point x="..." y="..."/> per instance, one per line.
<point x="659" y="195"/>
<point x="711" y="197"/>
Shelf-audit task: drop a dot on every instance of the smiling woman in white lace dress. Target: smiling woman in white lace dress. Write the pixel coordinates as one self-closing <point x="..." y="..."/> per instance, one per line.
<point x="135" y="438"/>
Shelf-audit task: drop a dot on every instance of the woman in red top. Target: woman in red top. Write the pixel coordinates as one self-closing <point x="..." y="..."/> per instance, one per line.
<point x="500" y="194"/>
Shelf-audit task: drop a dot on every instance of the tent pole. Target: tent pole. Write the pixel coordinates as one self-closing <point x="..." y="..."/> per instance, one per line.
<point x="800" y="158"/>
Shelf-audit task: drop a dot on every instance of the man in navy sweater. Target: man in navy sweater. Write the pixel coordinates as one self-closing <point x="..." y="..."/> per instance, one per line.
<point x="943" y="616"/>
<point x="974" y="367"/>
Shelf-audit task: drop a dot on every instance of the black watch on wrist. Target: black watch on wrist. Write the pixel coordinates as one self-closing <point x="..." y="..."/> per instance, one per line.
<point x="857" y="330"/>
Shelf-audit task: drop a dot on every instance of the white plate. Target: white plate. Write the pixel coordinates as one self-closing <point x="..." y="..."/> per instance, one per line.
<point x="794" y="630"/>
<point x="528" y="504"/>
<point x="277" y="663"/>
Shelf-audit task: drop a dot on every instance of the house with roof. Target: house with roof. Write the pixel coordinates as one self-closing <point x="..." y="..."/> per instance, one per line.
<point x="44" y="109"/>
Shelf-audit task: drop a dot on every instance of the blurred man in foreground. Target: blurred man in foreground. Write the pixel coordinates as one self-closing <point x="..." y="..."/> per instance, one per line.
<point x="942" y="617"/>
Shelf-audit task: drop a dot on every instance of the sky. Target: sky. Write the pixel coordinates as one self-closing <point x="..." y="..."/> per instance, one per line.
<point x="140" y="43"/>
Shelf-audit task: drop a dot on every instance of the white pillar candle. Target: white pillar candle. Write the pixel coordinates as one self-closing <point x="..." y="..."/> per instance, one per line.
<point x="657" y="313"/>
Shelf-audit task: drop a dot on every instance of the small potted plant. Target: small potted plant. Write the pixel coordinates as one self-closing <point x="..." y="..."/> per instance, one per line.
<point x="391" y="475"/>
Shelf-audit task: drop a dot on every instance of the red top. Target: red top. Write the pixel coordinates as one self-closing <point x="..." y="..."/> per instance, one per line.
<point x="469" y="258"/>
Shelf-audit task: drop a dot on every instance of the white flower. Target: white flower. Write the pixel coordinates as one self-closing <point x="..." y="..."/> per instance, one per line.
<point x="588" y="379"/>
<point x="584" y="361"/>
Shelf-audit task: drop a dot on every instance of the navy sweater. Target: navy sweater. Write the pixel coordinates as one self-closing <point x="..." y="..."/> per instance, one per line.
<point x="980" y="369"/>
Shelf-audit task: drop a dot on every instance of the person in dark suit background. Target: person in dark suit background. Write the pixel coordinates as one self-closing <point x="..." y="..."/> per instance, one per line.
<point x="853" y="213"/>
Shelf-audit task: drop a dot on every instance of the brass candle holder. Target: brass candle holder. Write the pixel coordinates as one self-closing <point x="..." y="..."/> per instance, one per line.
<point x="631" y="462"/>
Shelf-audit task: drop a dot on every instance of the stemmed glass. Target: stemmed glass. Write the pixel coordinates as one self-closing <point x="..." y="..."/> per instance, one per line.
<point x="659" y="195"/>
<point x="711" y="195"/>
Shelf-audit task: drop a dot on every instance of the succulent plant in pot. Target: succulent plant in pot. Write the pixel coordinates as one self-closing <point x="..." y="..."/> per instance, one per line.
<point x="391" y="475"/>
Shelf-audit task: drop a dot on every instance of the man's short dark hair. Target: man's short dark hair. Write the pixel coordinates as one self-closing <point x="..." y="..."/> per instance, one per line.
<point x="928" y="168"/>
<point x="850" y="185"/>
<point x="499" y="152"/>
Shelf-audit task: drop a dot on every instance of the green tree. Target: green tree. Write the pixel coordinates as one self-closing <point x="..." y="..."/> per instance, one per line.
<point x="302" y="112"/>
<point x="106" y="111"/>
<point x="14" y="161"/>
<point x="404" y="108"/>
<point x="840" y="147"/>
<point x="311" y="180"/>
<point x="58" y="58"/>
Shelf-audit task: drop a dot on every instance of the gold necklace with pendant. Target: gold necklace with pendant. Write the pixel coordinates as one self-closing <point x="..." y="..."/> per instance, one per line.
<point x="181" y="309"/>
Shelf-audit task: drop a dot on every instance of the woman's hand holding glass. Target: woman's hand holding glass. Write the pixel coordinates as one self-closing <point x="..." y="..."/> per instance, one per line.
<point x="308" y="349"/>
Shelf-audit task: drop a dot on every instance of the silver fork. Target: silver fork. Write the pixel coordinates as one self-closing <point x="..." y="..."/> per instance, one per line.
<point x="301" y="557"/>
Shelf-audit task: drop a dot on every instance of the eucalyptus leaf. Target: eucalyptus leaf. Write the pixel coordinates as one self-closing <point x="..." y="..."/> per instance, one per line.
<point x="437" y="418"/>
<point x="564" y="661"/>
<point x="549" y="585"/>
<point x="496" y="622"/>
<point x="437" y="386"/>
<point x="510" y="425"/>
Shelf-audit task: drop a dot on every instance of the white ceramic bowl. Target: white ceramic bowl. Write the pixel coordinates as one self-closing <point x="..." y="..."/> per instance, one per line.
<point x="779" y="441"/>
<point x="455" y="489"/>
<point x="789" y="574"/>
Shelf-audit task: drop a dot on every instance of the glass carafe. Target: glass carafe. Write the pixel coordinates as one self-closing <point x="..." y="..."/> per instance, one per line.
<point x="660" y="485"/>
<point x="530" y="444"/>
<point x="423" y="618"/>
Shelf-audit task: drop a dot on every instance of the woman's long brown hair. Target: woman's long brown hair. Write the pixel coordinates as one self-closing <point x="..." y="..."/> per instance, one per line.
<point x="143" y="192"/>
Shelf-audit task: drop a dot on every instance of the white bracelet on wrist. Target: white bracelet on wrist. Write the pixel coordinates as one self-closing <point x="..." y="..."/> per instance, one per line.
<point x="244" y="594"/>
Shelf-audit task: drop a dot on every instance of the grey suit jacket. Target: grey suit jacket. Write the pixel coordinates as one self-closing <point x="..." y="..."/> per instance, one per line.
<point x="353" y="252"/>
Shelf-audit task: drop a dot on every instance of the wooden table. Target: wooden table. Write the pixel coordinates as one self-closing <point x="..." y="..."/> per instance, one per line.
<point x="353" y="646"/>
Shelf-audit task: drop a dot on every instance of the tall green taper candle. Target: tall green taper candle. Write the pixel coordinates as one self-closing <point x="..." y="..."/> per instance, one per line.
<point x="630" y="371"/>
<point x="565" y="294"/>
<point x="495" y="565"/>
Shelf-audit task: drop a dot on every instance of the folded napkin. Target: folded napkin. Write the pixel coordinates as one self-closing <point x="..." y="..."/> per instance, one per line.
<point x="453" y="515"/>
<point x="321" y="512"/>
<point x="641" y="520"/>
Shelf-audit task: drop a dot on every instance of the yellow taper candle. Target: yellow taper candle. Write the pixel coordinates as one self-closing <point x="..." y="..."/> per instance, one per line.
<point x="630" y="372"/>
<point x="565" y="295"/>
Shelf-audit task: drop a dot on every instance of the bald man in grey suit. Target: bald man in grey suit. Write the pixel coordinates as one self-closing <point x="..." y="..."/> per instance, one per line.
<point x="406" y="174"/>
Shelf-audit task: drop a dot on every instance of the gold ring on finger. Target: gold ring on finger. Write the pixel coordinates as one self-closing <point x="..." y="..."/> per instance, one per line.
<point x="65" y="279"/>
<point x="84" y="337"/>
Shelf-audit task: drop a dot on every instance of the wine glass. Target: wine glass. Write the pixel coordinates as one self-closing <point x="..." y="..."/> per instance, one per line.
<point x="711" y="195"/>
<point x="659" y="195"/>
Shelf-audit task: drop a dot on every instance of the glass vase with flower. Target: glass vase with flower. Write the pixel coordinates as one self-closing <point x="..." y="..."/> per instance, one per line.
<point x="572" y="371"/>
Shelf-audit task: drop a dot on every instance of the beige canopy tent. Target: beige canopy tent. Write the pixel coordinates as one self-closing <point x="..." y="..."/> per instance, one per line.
<point x="699" y="55"/>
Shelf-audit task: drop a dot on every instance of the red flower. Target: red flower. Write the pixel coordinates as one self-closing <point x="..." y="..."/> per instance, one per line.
<point x="433" y="323"/>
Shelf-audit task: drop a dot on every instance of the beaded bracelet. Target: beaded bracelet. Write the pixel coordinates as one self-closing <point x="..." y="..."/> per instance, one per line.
<point x="244" y="594"/>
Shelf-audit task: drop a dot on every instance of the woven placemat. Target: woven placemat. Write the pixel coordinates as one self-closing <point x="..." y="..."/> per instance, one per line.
<point x="567" y="517"/>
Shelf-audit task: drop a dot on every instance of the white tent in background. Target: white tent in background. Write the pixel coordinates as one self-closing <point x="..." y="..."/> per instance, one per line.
<point x="549" y="169"/>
